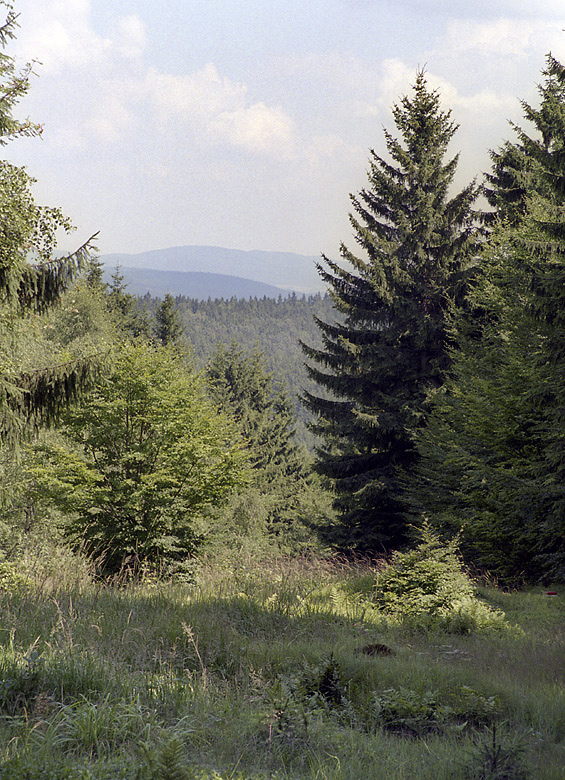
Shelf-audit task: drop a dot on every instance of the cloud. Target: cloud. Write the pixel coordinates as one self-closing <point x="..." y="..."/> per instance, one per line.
<point x="257" y="128"/>
<point x="202" y="94"/>
<point x="108" y="97"/>
<point x="60" y="36"/>
<point x="482" y="8"/>
<point x="501" y="38"/>
<point x="131" y="39"/>
<point x="219" y="107"/>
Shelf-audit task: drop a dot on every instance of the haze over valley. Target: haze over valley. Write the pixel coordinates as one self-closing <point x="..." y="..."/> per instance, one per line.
<point x="216" y="272"/>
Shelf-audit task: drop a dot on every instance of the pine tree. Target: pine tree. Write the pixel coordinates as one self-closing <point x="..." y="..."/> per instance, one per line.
<point x="391" y="348"/>
<point x="31" y="279"/>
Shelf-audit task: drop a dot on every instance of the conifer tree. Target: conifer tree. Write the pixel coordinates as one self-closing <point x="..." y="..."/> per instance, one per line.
<point x="396" y="300"/>
<point x="130" y="318"/>
<point x="492" y="453"/>
<point x="521" y="168"/>
<point x="242" y="388"/>
<point x="168" y="328"/>
<point x="33" y="387"/>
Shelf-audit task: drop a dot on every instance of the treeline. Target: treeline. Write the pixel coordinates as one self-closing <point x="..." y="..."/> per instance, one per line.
<point x="445" y="380"/>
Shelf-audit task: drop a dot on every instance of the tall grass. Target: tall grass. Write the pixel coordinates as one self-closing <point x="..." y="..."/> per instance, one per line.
<point x="257" y="669"/>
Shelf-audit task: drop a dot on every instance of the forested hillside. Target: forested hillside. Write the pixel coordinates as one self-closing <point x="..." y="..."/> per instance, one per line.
<point x="144" y="433"/>
<point x="274" y="326"/>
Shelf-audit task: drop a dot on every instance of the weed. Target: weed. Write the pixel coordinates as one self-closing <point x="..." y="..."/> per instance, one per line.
<point x="252" y="673"/>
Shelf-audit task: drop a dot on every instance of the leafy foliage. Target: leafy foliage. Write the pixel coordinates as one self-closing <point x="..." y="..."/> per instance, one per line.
<point x="150" y="455"/>
<point x="417" y="713"/>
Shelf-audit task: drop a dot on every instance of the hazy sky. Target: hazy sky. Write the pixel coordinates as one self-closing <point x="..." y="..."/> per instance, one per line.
<point x="246" y="123"/>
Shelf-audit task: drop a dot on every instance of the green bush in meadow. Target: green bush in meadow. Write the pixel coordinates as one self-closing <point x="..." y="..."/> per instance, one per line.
<point x="429" y="587"/>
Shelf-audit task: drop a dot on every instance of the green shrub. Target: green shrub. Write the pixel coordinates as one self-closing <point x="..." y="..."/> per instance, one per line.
<point x="428" y="586"/>
<point x="407" y="711"/>
<point x="11" y="578"/>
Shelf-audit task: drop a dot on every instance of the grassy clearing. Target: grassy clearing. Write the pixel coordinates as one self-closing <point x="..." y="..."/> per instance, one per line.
<point x="274" y="670"/>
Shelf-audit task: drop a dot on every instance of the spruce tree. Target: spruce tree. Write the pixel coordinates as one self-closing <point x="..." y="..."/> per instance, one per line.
<point x="130" y="317"/>
<point x="396" y="300"/>
<point x="242" y="388"/>
<point x="34" y="386"/>
<point x="522" y="167"/>
<point x="493" y="459"/>
<point x="168" y="328"/>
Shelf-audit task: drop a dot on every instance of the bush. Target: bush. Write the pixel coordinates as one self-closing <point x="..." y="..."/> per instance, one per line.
<point x="146" y="456"/>
<point x="428" y="586"/>
<point x="415" y="713"/>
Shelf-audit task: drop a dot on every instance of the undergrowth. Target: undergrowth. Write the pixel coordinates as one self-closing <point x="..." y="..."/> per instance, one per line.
<point x="283" y="669"/>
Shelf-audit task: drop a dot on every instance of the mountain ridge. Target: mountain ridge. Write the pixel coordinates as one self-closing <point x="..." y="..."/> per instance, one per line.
<point x="285" y="270"/>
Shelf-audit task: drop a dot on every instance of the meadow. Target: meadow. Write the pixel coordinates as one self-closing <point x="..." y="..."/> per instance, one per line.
<point x="274" y="669"/>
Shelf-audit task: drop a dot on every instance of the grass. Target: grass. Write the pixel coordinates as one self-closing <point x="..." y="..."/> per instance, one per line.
<point x="257" y="670"/>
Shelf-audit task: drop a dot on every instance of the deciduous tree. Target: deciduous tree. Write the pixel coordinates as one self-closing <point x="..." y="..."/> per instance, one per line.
<point x="150" y="454"/>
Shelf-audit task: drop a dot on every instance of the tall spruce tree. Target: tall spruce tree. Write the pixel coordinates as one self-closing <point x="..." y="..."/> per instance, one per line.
<point x="521" y="168"/>
<point x="243" y="388"/>
<point x="34" y="386"/>
<point x="492" y="453"/>
<point x="391" y="348"/>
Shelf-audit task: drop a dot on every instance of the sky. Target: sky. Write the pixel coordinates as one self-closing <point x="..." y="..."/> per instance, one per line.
<point x="247" y="123"/>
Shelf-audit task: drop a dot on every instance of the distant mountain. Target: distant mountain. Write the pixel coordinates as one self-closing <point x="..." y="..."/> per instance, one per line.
<point x="191" y="284"/>
<point x="283" y="270"/>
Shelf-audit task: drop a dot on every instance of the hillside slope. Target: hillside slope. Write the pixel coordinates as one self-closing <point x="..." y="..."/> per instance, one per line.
<point x="193" y="284"/>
